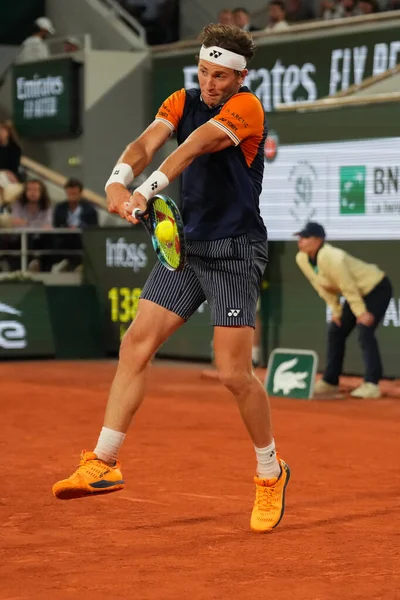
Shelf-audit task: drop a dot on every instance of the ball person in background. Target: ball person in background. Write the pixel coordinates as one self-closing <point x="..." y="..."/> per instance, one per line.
<point x="221" y="131"/>
<point x="367" y="292"/>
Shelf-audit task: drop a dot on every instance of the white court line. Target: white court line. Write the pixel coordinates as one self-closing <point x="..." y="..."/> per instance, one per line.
<point x="222" y="497"/>
<point x="200" y="496"/>
<point x="142" y="500"/>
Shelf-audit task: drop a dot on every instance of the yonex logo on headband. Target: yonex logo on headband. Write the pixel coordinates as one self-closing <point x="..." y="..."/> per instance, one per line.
<point x="223" y="57"/>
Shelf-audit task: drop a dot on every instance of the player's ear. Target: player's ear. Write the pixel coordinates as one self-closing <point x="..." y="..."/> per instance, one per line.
<point x="243" y="76"/>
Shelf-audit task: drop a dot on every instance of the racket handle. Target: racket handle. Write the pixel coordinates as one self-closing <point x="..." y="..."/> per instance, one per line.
<point x="136" y="213"/>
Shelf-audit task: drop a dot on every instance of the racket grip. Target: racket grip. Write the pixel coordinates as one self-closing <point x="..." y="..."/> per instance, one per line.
<point x="136" y="213"/>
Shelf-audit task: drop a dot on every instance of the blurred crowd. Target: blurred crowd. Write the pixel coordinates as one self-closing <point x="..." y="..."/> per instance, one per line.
<point x="26" y="204"/>
<point x="160" y="18"/>
<point x="281" y="14"/>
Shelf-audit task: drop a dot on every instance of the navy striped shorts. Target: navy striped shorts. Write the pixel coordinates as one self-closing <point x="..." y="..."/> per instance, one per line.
<point x="227" y="273"/>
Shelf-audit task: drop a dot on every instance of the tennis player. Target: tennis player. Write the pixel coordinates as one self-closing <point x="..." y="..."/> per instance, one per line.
<point x="367" y="292"/>
<point x="221" y="131"/>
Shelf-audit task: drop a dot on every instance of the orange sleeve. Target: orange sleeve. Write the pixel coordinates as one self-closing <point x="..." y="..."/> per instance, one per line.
<point x="241" y="117"/>
<point x="171" y="110"/>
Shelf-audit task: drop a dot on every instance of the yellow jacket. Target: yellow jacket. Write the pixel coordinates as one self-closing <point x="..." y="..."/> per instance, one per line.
<point x="5" y="220"/>
<point x="340" y="274"/>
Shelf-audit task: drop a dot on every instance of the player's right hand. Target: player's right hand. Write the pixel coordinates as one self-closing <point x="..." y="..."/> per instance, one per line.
<point x="117" y="196"/>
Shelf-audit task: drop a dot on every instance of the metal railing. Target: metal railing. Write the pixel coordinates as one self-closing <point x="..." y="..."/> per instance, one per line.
<point x="24" y="252"/>
<point x="56" y="44"/>
<point x="119" y="12"/>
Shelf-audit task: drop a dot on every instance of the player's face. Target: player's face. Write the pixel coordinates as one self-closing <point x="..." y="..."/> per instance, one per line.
<point x="218" y="84"/>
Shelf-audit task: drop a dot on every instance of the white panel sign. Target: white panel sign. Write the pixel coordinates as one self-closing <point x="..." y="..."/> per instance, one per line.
<point x="352" y="188"/>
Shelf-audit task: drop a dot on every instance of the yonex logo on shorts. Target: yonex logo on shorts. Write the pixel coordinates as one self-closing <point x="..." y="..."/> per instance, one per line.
<point x="215" y="54"/>
<point x="154" y="186"/>
<point x="234" y="312"/>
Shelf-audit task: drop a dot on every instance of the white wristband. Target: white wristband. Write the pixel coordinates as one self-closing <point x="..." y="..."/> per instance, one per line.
<point x="153" y="185"/>
<point x="122" y="173"/>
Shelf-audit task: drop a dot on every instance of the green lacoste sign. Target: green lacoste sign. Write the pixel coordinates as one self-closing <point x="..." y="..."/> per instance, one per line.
<point x="291" y="373"/>
<point x="352" y="190"/>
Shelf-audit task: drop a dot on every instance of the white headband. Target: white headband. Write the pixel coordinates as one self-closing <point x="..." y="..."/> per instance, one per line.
<point x="223" y="57"/>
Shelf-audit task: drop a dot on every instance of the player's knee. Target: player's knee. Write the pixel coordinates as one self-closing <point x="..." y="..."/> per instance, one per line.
<point x="136" y="349"/>
<point x="235" y="381"/>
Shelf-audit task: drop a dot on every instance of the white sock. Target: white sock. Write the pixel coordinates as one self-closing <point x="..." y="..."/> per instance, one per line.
<point x="256" y="354"/>
<point x="108" y="445"/>
<point x="267" y="462"/>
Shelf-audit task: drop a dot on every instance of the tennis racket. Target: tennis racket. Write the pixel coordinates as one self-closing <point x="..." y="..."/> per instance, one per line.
<point x="171" y="254"/>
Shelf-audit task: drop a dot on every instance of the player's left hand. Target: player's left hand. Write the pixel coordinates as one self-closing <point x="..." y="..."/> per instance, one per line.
<point x="135" y="201"/>
<point x="117" y="196"/>
<point x="366" y="318"/>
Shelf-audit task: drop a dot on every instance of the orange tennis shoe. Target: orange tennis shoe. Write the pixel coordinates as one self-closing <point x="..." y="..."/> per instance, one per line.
<point x="269" y="504"/>
<point x="93" y="476"/>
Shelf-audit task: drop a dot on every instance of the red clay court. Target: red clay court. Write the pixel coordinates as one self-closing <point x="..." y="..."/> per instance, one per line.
<point x="180" y="529"/>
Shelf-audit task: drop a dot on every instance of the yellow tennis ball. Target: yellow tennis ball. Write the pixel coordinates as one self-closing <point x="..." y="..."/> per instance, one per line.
<point x="165" y="232"/>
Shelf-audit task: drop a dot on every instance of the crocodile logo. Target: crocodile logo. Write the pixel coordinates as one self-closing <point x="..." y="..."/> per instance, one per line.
<point x="287" y="380"/>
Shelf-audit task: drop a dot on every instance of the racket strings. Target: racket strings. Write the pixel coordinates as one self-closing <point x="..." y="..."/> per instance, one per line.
<point x="170" y="250"/>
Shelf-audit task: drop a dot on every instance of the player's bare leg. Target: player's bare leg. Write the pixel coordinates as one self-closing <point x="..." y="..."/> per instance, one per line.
<point x="232" y="348"/>
<point x="255" y="350"/>
<point x="256" y="347"/>
<point x="151" y="328"/>
<point x="99" y="471"/>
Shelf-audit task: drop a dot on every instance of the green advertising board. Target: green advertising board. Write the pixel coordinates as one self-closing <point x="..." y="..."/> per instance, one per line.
<point x="291" y="373"/>
<point x="46" y="98"/>
<point x="118" y="262"/>
<point x="25" y="328"/>
<point x="293" y="68"/>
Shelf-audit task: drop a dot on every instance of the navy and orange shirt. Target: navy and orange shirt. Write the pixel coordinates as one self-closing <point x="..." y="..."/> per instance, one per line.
<point x="220" y="191"/>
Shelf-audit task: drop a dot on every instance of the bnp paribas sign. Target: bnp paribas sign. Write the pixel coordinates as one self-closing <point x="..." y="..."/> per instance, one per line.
<point x="296" y="70"/>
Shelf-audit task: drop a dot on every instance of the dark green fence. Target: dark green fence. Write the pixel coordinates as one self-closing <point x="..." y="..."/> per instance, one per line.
<point x="49" y="321"/>
<point x="300" y="67"/>
<point x="25" y="328"/>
